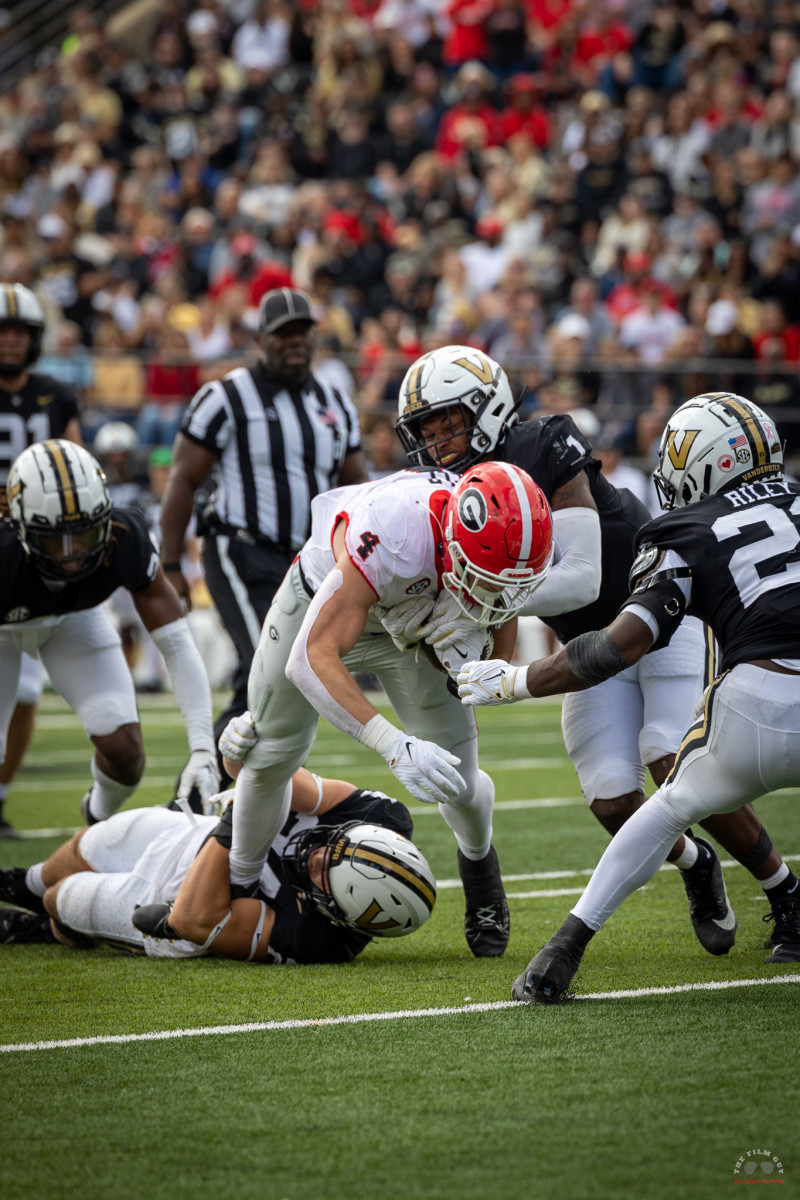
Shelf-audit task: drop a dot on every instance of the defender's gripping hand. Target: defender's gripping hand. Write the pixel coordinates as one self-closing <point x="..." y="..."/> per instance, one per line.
<point x="201" y="772"/>
<point x="492" y="682"/>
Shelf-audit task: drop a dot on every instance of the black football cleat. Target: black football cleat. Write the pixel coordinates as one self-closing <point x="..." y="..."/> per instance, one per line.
<point x="87" y="816"/>
<point x="14" y="890"/>
<point x="785" y="940"/>
<point x="487" y="921"/>
<point x="153" y="921"/>
<point x="20" y="928"/>
<point x="713" y="918"/>
<point x="548" y="975"/>
<point x="7" y="831"/>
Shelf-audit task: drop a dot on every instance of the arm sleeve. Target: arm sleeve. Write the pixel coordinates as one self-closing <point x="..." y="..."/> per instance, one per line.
<point x="574" y="579"/>
<point x="189" y="681"/>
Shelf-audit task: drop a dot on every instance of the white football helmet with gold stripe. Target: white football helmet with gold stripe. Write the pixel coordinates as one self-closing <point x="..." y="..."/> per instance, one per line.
<point x="711" y="441"/>
<point x="59" y="503"/>
<point x="469" y="386"/>
<point x="373" y="879"/>
<point x="19" y="306"/>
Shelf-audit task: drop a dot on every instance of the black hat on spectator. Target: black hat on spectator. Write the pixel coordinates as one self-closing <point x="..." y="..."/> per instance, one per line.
<point x="282" y="305"/>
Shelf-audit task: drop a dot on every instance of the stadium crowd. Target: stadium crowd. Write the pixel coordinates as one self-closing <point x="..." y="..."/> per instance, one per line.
<point x="604" y="196"/>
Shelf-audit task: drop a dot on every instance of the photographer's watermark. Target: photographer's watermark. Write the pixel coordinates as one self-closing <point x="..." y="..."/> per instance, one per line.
<point x="758" y="1166"/>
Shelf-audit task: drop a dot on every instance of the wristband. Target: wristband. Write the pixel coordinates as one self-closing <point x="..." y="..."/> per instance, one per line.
<point x="171" y="566"/>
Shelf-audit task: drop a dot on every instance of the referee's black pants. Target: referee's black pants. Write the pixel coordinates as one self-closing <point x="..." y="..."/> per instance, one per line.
<point x="242" y="579"/>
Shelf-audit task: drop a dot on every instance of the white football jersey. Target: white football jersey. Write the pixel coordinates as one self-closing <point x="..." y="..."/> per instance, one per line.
<point x="393" y="533"/>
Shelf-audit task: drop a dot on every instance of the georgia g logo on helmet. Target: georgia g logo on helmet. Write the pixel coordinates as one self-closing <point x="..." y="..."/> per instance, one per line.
<point x="472" y="510"/>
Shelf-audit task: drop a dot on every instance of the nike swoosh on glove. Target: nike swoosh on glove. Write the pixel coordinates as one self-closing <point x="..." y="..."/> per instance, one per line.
<point x="238" y="738"/>
<point x="403" y="621"/>
<point x="492" y="682"/>
<point x="201" y="772"/>
<point x="453" y="637"/>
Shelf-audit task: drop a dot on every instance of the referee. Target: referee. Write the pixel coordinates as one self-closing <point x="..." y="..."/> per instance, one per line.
<point x="274" y="437"/>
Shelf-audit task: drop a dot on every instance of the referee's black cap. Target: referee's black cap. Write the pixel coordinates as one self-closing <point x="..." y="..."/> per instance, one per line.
<point x="282" y="305"/>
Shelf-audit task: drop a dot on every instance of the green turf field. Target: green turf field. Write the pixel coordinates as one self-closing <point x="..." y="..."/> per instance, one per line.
<point x="437" y="1087"/>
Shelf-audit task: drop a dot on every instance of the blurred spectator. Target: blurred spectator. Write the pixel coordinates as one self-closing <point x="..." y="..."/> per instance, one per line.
<point x="328" y="366"/>
<point x="775" y="338"/>
<point x="383" y="450"/>
<point x="650" y="329"/>
<point x="171" y="379"/>
<point x="610" y="447"/>
<point x="69" y="360"/>
<point x="119" y="378"/>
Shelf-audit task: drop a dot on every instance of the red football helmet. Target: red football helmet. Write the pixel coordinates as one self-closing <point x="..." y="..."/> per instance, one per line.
<point x="498" y="541"/>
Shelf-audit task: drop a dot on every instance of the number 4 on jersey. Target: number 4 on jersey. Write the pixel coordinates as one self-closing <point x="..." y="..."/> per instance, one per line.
<point x="368" y="543"/>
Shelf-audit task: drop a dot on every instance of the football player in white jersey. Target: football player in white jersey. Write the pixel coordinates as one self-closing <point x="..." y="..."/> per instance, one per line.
<point x="413" y="558"/>
<point x="726" y="551"/>
<point x="342" y="871"/>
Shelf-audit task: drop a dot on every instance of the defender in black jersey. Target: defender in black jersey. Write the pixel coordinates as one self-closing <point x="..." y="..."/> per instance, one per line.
<point x="33" y="407"/>
<point x="65" y="550"/>
<point x="729" y="553"/>
<point x="456" y="408"/>
<point x="111" y="879"/>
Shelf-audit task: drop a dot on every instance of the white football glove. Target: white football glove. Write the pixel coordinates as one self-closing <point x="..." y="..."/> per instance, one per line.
<point x="201" y="772"/>
<point x="238" y="738"/>
<point x="428" y="771"/>
<point x="454" y="638"/>
<point x="215" y="805"/>
<point x="403" y="621"/>
<point x="492" y="682"/>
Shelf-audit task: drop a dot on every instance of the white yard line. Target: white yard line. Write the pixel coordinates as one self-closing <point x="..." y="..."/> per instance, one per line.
<point x="364" y="1018"/>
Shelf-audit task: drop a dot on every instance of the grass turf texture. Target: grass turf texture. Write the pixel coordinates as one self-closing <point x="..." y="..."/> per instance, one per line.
<point x="655" y="1096"/>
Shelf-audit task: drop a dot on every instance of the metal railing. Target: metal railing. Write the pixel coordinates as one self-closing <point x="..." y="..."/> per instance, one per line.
<point x="37" y="25"/>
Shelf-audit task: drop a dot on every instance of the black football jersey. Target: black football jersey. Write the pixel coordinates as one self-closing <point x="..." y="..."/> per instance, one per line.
<point x="302" y="934"/>
<point x="131" y="561"/>
<point x="742" y="547"/>
<point x="40" y="410"/>
<point x="553" y="450"/>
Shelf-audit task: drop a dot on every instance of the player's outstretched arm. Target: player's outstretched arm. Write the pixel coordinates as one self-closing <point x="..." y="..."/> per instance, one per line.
<point x="160" y="609"/>
<point x="582" y="663"/>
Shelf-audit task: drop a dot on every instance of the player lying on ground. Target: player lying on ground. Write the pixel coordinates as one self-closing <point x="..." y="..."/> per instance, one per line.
<point x="727" y="551"/>
<point x="341" y="872"/>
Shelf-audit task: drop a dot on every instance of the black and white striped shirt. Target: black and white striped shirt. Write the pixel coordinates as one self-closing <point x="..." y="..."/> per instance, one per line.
<point x="277" y="446"/>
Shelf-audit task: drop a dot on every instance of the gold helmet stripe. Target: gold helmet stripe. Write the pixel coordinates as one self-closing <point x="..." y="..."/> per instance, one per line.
<point x="751" y="428"/>
<point x="11" y="303"/>
<point x="65" y="478"/>
<point x="392" y="867"/>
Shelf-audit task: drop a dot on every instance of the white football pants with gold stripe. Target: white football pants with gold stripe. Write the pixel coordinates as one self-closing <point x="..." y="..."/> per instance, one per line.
<point x="745" y="744"/>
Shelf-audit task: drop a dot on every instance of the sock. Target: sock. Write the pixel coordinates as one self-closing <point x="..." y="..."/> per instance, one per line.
<point x="33" y="880"/>
<point x="108" y="796"/>
<point x="472" y="824"/>
<point x="780" y="885"/>
<point x="689" y="855"/>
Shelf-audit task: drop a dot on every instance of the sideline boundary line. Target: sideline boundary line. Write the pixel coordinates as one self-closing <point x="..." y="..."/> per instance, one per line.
<point x="363" y="1018"/>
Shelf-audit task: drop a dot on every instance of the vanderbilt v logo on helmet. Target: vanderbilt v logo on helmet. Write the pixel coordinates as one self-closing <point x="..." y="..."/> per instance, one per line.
<point x="712" y="441"/>
<point x="678" y="454"/>
<point x="481" y="368"/>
